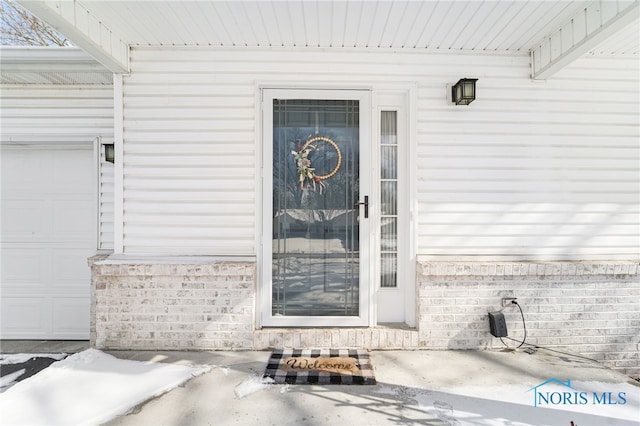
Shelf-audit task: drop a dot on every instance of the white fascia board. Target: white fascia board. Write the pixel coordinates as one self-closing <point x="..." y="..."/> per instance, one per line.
<point x="40" y="54"/>
<point x="543" y="62"/>
<point x="94" y="37"/>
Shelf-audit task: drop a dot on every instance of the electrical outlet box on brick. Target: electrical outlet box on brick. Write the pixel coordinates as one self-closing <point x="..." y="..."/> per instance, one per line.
<point x="497" y="324"/>
<point x="508" y="301"/>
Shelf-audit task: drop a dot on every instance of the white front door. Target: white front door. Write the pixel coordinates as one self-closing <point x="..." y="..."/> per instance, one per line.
<point x="316" y="242"/>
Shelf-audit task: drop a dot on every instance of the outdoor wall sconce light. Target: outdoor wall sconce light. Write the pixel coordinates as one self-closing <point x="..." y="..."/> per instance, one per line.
<point x="109" y="153"/>
<point x="464" y="91"/>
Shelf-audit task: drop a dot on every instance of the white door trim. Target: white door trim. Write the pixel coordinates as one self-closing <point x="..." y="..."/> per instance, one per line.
<point x="398" y="305"/>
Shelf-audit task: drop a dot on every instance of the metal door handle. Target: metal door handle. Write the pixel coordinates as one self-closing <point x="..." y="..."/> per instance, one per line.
<point x="365" y="204"/>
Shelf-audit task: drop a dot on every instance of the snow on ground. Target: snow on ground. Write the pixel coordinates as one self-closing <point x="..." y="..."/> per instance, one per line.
<point x="18" y="358"/>
<point x="10" y="379"/>
<point x="252" y="385"/>
<point x="88" y="388"/>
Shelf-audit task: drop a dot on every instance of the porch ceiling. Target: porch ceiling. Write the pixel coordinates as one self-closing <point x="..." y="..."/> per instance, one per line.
<point x="491" y="26"/>
<point x="554" y="33"/>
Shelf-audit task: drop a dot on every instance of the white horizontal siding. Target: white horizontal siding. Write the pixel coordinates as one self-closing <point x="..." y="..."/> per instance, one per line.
<point x="534" y="170"/>
<point x="106" y="203"/>
<point x="529" y="170"/>
<point x="56" y="114"/>
<point x="189" y="163"/>
<point x="64" y="115"/>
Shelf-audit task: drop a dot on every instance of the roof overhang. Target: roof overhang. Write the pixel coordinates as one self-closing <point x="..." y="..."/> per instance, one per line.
<point x="85" y="30"/>
<point x="582" y="33"/>
<point x="554" y="33"/>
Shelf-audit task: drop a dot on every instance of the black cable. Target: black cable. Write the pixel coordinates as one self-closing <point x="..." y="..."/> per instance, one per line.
<point x="523" y="342"/>
<point x="524" y="325"/>
<point x="557" y="351"/>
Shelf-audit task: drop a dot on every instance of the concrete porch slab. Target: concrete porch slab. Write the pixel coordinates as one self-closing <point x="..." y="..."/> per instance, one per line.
<point x="414" y="387"/>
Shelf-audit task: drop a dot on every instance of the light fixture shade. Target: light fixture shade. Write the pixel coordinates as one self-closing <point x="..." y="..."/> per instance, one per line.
<point x="464" y="91"/>
<point x="109" y="153"/>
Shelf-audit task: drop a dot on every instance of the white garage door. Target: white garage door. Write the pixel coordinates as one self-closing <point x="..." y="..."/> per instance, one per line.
<point x="48" y="232"/>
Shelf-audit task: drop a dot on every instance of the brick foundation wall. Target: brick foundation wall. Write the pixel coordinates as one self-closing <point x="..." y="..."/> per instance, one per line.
<point x="589" y="308"/>
<point x="172" y="304"/>
<point x="202" y="305"/>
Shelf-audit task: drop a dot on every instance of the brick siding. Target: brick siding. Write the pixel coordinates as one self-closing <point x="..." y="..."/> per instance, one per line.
<point x="589" y="308"/>
<point x="164" y="306"/>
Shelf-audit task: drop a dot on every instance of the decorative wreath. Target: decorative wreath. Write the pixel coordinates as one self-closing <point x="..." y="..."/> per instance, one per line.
<point x="335" y="146"/>
<point x="307" y="176"/>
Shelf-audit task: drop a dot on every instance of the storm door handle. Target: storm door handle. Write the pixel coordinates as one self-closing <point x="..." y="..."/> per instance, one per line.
<point x="365" y="204"/>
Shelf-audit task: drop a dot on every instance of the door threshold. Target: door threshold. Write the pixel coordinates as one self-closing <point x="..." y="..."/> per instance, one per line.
<point x="394" y="336"/>
<point x="395" y="326"/>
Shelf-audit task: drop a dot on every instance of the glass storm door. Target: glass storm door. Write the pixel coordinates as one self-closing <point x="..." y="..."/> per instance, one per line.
<point x="316" y="237"/>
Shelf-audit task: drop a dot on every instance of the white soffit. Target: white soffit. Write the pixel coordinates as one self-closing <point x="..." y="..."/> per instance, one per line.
<point x="511" y="26"/>
<point x="106" y="29"/>
<point x="84" y="29"/>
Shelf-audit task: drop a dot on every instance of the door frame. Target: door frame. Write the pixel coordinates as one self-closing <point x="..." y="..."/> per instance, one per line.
<point x="397" y="305"/>
<point x="264" y="284"/>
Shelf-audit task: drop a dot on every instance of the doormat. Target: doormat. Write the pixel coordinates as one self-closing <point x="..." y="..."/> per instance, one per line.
<point x="320" y="367"/>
